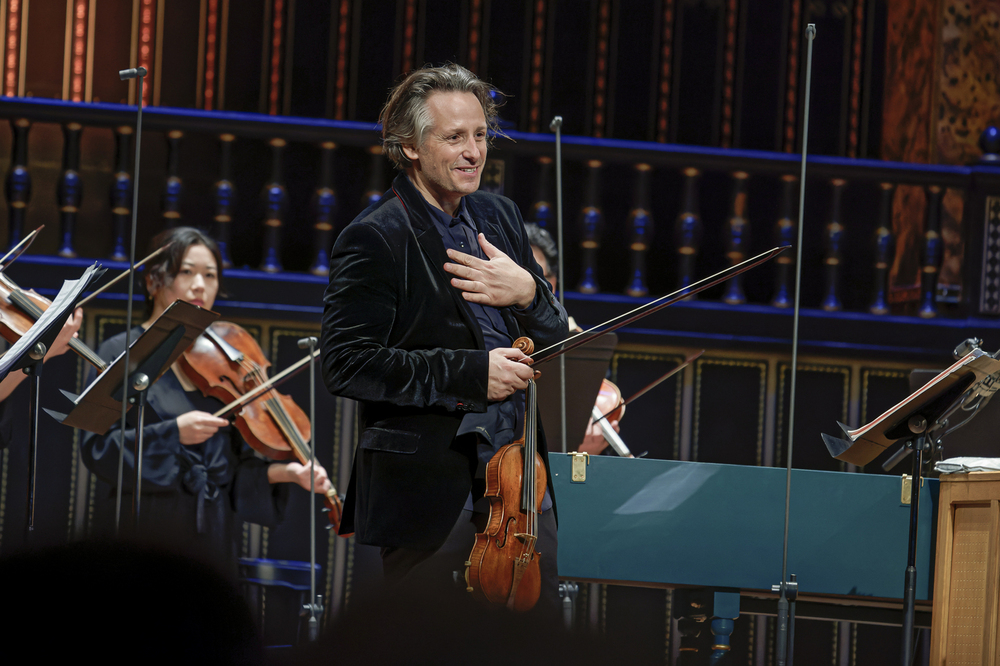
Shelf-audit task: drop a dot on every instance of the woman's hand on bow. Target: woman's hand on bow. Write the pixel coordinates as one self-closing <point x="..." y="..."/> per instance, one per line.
<point x="196" y="427"/>
<point x="295" y="472"/>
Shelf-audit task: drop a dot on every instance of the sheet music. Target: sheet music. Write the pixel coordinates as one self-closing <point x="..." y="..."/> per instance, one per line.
<point x="958" y="391"/>
<point x="967" y="464"/>
<point x="55" y="315"/>
<point x="985" y="367"/>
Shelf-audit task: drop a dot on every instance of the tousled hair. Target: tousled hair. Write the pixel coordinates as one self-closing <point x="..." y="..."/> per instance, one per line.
<point x="405" y="118"/>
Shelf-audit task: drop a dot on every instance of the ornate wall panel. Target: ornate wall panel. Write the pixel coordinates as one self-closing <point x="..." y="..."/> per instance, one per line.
<point x="729" y="411"/>
<point x="880" y="390"/>
<point x="657" y="412"/>
<point x="822" y="399"/>
<point x="969" y="98"/>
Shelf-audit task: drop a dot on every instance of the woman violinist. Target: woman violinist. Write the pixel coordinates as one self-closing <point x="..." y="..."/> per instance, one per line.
<point x="200" y="479"/>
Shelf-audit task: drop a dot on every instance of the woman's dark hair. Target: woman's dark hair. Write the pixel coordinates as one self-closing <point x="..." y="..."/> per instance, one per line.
<point x="162" y="270"/>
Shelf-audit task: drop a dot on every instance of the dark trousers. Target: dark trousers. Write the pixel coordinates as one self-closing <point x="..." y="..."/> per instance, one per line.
<point x="444" y="568"/>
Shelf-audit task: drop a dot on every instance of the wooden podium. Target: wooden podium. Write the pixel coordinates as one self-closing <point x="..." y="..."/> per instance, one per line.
<point x="964" y="627"/>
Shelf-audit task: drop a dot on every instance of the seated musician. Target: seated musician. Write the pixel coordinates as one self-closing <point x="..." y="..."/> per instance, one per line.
<point x="546" y="254"/>
<point x="200" y="481"/>
<point x="428" y="289"/>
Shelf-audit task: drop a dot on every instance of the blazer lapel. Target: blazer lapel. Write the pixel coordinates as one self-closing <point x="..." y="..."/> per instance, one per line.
<point x="432" y="246"/>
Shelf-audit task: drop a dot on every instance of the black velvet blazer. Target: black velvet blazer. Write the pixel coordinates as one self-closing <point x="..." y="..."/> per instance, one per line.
<point x="401" y="340"/>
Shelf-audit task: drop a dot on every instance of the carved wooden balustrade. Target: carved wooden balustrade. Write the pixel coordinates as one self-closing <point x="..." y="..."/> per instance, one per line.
<point x="882" y="239"/>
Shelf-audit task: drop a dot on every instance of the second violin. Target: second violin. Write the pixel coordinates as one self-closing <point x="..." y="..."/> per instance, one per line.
<point x="226" y="363"/>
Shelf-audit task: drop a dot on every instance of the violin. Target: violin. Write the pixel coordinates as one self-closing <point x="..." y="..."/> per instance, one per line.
<point x="503" y="567"/>
<point x="21" y="308"/>
<point x="225" y="362"/>
<point x="609" y="407"/>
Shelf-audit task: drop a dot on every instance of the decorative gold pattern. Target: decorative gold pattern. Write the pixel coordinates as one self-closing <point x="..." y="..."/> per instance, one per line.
<point x="908" y="101"/>
<point x="4" y="463"/>
<point x="349" y="572"/>
<point x="866" y="374"/>
<point x="679" y="382"/>
<point x="74" y="464"/>
<point x="669" y="629"/>
<point x="761" y="403"/>
<point x="969" y="96"/>
<point x="783" y="371"/>
<point x="967" y="597"/>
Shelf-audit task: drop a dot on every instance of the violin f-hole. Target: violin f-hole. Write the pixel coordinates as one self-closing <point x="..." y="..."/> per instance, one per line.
<point x="502" y="539"/>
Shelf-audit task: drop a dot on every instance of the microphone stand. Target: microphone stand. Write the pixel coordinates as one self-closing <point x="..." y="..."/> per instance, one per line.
<point x="918" y="444"/>
<point x="34" y="371"/>
<point x="556" y="126"/>
<point x="126" y="74"/>
<point x="788" y="587"/>
<point x="315" y="605"/>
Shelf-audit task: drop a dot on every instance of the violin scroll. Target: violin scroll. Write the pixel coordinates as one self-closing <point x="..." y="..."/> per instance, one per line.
<point x="524" y="345"/>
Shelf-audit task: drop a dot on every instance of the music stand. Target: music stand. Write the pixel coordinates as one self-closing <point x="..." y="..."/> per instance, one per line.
<point x="150" y="355"/>
<point x="28" y="354"/>
<point x="922" y="419"/>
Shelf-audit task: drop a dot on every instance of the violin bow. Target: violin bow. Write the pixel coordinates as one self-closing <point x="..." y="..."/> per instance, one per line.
<point x="641" y="392"/>
<point x="273" y="382"/>
<point x="89" y="297"/>
<point x="638" y="313"/>
<point x="18" y="249"/>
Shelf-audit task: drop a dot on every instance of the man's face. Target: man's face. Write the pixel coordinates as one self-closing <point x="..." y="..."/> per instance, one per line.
<point x="449" y="164"/>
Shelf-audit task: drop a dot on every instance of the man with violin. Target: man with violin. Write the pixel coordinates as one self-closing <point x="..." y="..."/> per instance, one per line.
<point x="428" y="289"/>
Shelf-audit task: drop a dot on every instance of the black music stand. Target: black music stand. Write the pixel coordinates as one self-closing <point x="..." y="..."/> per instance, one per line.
<point x="28" y="354"/>
<point x="151" y="353"/>
<point x="921" y="421"/>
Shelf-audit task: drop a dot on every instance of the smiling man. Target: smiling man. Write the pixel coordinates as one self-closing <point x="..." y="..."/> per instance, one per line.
<point x="429" y="287"/>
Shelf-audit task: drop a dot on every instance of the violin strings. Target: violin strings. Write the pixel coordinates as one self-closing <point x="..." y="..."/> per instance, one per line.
<point x="277" y="410"/>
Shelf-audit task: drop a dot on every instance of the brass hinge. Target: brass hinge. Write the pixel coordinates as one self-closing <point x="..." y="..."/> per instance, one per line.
<point x="905" y="488"/>
<point x="579" y="468"/>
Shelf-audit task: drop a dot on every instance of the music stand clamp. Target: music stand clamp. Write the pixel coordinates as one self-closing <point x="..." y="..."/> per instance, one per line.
<point x="151" y="354"/>
<point x="922" y="420"/>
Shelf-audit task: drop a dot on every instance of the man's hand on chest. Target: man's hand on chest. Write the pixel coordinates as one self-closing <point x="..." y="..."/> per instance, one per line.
<point x="497" y="281"/>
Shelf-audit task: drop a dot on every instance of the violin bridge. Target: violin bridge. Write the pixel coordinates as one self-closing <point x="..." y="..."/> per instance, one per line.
<point x="526" y="539"/>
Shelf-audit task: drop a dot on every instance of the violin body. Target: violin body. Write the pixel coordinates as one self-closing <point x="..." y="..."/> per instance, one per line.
<point x="503" y="567"/>
<point x="226" y="363"/>
<point x="215" y="374"/>
<point x="15" y="320"/>
<point x="609" y="401"/>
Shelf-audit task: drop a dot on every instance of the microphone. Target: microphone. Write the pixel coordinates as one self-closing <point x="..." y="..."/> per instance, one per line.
<point x="126" y="74"/>
<point x="307" y="343"/>
<point x="556" y="123"/>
